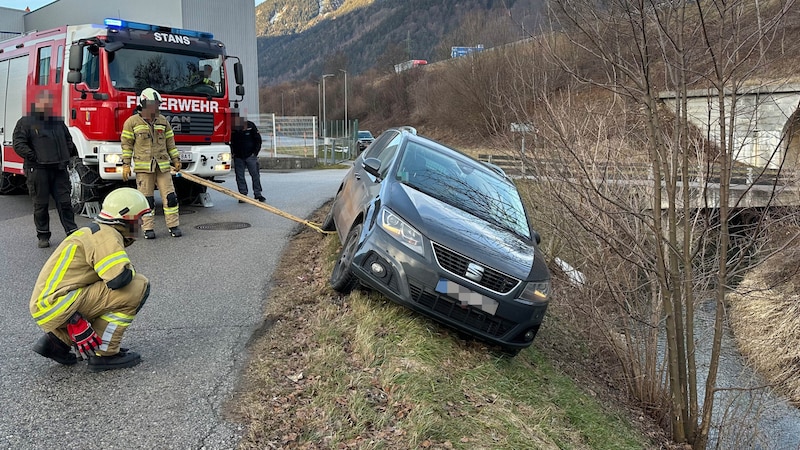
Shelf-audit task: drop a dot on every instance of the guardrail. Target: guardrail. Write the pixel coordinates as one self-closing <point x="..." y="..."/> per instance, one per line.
<point x="740" y="174"/>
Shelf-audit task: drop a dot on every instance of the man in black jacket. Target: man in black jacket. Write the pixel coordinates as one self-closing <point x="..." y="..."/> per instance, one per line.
<point x="245" y="145"/>
<point x="43" y="141"/>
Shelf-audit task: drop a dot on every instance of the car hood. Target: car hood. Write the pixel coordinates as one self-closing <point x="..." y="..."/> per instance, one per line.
<point x="465" y="233"/>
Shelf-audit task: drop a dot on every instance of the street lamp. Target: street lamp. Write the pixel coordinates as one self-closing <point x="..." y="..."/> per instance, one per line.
<point x="346" y="123"/>
<point x="324" y="124"/>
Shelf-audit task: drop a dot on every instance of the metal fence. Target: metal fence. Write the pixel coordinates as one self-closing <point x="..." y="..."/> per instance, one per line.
<point x="301" y="136"/>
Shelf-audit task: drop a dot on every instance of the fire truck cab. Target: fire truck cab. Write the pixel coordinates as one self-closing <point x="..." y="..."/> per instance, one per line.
<point x="108" y="66"/>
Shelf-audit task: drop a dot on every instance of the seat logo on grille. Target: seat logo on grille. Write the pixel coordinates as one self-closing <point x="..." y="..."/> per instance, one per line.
<point x="474" y="272"/>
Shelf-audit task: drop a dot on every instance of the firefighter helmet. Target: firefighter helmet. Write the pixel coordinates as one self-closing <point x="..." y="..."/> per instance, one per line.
<point x="149" y="95"/>
<point x="122" y="209"/>
<point x="123" y="205"/>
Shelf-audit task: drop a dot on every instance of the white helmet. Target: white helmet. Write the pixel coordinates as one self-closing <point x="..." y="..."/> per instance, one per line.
<point x="122" y="209"/>
<point x="149" y="95"/>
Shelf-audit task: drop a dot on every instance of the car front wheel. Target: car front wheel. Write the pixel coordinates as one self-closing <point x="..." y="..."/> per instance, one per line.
<point x="342" y="278"/>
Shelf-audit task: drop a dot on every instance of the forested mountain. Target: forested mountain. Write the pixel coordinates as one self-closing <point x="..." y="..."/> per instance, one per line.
<point x="300" y="39"/>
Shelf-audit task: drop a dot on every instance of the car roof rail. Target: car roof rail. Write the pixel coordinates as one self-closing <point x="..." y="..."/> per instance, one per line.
<point x="495" y="167"/>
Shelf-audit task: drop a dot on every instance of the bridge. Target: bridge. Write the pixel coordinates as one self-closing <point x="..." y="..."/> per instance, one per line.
<point x="765" y="138"/>
<point x="749" y="187"/>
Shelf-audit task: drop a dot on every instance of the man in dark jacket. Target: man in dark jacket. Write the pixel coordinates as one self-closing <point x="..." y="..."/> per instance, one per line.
<point x="245" y="145"/>
<point x="43" y="141"/>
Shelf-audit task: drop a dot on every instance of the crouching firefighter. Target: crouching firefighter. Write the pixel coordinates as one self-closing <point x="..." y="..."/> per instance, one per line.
<point x="88" y="293"/>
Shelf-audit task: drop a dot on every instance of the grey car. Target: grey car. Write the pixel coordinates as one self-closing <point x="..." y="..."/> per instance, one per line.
<point x="448" y="236"/>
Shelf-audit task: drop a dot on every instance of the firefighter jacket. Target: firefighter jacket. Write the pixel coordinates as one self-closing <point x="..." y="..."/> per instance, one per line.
<point x="145" y="143"/>
<point x="43" y="141"/>
<point x="90" y="254"/>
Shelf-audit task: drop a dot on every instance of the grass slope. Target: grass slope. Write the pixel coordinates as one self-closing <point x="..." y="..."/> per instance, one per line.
<point x="358" y="371"/>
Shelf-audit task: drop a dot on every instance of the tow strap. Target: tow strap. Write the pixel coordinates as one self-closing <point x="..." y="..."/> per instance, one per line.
<point x="244" y="198"/>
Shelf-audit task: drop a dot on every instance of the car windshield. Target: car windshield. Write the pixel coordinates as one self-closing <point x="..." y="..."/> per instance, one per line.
<point x="133" y="69"/>
<point x="465" y="184"/>
<point x="364" y="134"/>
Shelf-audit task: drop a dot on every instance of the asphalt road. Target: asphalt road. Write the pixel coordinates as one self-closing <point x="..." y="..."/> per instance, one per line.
<point x="208" y="294"/>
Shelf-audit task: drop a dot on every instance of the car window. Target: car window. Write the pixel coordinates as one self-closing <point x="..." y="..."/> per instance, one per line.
<point x="464" y="184"/>
<point x="380" y="144"/>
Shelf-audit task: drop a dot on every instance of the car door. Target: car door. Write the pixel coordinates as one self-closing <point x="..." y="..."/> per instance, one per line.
<point x="360" y="188"/>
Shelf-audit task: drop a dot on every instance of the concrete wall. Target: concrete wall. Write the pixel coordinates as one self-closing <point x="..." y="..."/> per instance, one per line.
<point x="760" y="116"/>
<point x="12" y="23"/>
<point x="234" y="23"/>
<point x="231" y="21"/>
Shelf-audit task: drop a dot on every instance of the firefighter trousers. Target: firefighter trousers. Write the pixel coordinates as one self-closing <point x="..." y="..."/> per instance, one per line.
<point x="146" y="183"/>
<point x="110" y="311"/>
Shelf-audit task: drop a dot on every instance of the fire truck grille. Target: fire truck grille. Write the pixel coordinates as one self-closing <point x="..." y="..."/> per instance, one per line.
<point x="191" y="123"/>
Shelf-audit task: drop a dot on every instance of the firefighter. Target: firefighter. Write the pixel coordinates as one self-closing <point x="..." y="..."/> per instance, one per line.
<point x="43" y="141"/>
<point x="87" y="293"/>
<point x="148" y="141"/>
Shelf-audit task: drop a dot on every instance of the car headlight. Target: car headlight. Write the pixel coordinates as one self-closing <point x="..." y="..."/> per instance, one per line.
<point x="400" y="230"/>
<point x="112" y="158"/>
<point x="535" y="292"/>
<point x="224" y="157"/>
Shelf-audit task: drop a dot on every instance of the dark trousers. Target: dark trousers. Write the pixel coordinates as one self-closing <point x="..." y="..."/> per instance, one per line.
<point x="44" y="183"/>
<point x="251" y="163"/>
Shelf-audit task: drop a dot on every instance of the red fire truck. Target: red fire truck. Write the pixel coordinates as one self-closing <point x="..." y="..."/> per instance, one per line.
<point x="107" y="66"/>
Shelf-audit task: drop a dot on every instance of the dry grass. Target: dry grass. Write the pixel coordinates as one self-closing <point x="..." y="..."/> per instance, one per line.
<point x="359" y="371"/>
<point x="765" y="316"/>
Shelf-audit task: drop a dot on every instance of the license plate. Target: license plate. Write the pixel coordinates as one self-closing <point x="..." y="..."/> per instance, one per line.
<point x="186" y="156"/>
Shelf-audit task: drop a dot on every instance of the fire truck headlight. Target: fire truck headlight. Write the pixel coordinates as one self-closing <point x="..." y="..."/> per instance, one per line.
<point x="113" y="158"/>
<point x="224" y="157"/>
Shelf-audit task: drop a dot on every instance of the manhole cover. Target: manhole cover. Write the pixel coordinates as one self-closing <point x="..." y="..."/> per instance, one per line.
<point x="223" y="226"/>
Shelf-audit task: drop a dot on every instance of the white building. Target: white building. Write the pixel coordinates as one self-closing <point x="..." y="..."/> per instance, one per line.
<point x="231" y="21"/>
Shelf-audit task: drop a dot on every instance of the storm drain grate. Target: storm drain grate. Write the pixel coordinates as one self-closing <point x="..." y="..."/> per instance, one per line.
<point x="223" y="226"/>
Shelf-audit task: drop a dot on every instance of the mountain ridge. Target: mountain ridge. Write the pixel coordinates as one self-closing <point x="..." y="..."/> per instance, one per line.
<point x="301" y="39"/>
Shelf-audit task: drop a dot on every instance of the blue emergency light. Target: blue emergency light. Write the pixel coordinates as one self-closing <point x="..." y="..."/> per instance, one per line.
<point x="124" y="24"/>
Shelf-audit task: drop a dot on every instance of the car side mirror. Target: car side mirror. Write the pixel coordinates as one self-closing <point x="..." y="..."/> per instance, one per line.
<point x="536" y="237"/>
<point x="372" y="166"/>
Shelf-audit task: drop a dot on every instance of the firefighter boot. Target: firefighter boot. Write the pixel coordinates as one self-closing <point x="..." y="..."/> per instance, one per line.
<point x="175" y="232"/>
<point x="52" y="347"/>
<point x="121" y="360"/>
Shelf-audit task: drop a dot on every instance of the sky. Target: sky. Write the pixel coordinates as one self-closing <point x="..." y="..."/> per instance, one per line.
<point x="35" y="4"/>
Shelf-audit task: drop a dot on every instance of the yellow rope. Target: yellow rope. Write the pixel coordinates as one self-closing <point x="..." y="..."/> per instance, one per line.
<point x="244" y="198"/>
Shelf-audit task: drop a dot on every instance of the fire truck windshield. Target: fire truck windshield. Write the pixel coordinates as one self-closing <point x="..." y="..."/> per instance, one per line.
<point x="133" y="69"/>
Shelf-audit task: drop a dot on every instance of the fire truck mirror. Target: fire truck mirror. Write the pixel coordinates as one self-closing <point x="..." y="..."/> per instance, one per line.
<point x="238" y="73"/>
<point x="240" y="90"/>
<point x="73" y="77"/>
<point x="75" y="59"/>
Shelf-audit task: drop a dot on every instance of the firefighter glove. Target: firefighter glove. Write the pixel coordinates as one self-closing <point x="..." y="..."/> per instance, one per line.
<point x="83" y="335"/>
<point x="176" y="164"/>
<point x="126" y="172"/>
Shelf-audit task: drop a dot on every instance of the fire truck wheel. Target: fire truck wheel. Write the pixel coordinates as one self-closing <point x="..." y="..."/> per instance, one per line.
<point x="11" y="184"/>
<point x="187" y="191"/>
<point x="85" y="184"/>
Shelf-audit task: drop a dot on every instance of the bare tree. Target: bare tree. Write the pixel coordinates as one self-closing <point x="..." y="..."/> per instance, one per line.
<point x="651" y="253"/>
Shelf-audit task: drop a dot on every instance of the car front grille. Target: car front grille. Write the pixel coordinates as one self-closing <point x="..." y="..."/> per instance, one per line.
<point x="191" y="123"/>
<point x="457" y="264"/>
<point x="451" y="308"/>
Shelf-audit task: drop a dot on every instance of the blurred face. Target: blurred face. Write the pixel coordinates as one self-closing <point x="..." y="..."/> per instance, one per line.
<point x="44" y="102"/>
<point x="132" y="231"/>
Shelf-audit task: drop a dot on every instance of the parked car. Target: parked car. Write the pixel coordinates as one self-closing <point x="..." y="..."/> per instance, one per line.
<point x="364" y="139"/>
<point x="446" y="235"/>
